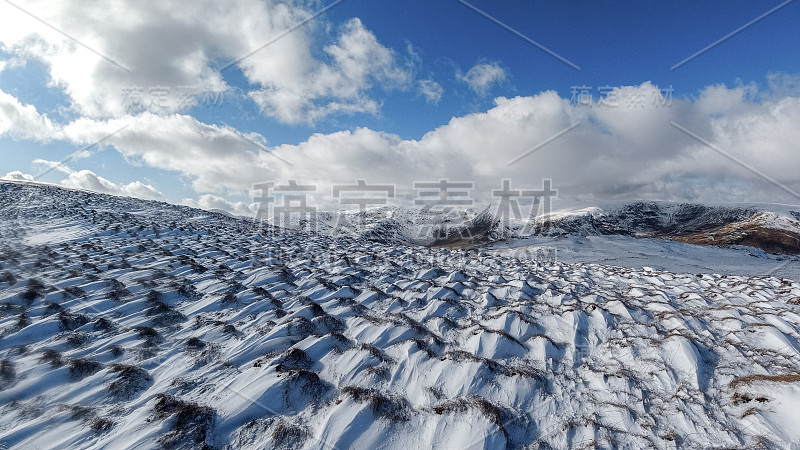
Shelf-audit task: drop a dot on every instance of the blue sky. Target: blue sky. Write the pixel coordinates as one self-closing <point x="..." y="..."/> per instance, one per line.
<point x="444" y="44"/>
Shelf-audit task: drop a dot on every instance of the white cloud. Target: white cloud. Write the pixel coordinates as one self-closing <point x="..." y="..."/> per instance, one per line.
<point x="53" y="165"/>
<point x="618" y="152"/>
<point x="23" y="121"/>
<point x="88" y="180"/>
<point x="481" y="77"/>
<point x="177" y="48"/>
<point x="16" y="175"/>
<point x="212" y="202"/>
<point x="10" y="63"/>
<point x="357" y="62"/>
<point x="431" y="90"/>
<point x="214" y="157"/>
<point x="783" y="85"/>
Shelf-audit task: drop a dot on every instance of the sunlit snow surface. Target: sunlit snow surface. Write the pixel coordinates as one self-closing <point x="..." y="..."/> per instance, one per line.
<point x="156" y="325"/>
<point x="661" y="254"/>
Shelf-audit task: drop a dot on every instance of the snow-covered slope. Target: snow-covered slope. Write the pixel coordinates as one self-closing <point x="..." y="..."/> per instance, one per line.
<point x="660" y="254"/>
<point x="138" y="324"/>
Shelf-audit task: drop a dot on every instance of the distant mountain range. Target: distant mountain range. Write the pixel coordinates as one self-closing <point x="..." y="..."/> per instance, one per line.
<point x="772" y="228"/>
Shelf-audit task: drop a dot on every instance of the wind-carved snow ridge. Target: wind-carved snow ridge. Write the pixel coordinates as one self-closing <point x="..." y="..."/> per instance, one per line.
<point x="137" y="324"/>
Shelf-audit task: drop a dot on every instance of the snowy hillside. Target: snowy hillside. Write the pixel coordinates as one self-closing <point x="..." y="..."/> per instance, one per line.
<point x="128" y="323"/>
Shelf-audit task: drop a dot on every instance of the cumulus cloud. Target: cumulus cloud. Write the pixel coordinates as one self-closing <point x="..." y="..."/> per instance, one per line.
<point x="622" y="149"/>
<point x="481" y="77"/>
<point x="165" y="57"/>
<point x="357" y="62"/>
<point x="16" y="175"/>
<point x="20" y="121"/>
<point x="212" y="202"/>
<point x="215" y="157"/>
<point x="88" y="180"/>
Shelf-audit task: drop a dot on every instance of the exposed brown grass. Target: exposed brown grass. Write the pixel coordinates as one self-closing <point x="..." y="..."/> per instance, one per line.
<point x="747" y="232"/>
<point x="749" y="411"/>
<point x="785" y="378"/>
<point x="388" y="406"/>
